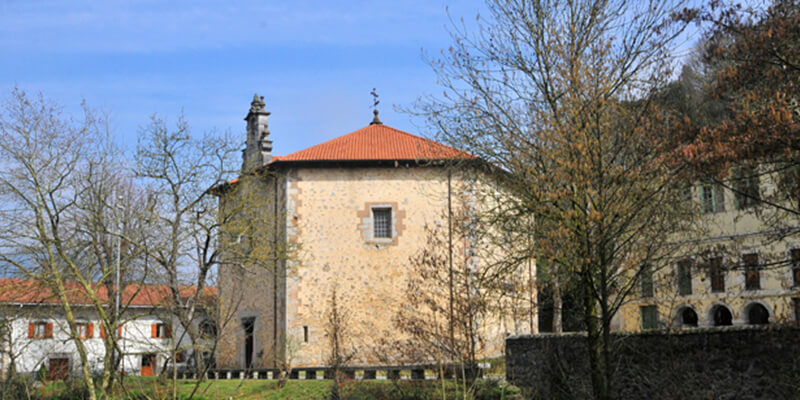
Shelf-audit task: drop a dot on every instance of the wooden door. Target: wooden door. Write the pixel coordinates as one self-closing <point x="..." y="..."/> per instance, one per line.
<point x="59" y="369"/>
<point x="148" y="363"/>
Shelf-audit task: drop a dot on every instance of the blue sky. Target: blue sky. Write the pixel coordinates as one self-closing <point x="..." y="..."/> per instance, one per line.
<point x="314" y="61"/>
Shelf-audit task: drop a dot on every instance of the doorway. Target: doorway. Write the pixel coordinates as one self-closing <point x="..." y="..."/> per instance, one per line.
<point x="58" y="368"/>
<point x="249" y="328"/>
<point x="148" y="364"/>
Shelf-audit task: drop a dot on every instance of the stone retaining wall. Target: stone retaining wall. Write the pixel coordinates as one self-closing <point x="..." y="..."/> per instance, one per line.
<point x="718" y="363"/>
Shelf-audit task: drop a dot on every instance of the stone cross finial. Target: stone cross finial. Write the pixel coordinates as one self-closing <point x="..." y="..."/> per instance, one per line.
<point x="375" y="120"/>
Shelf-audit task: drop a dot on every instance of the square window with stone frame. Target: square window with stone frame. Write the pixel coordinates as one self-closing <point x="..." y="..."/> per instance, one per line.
<point x="382" y="222"/>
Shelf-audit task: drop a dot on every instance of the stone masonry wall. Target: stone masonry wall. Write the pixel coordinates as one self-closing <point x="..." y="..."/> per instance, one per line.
<point x="715" y="363"/>
<point x="249" y="292"/>
<point x="329" y="220"/>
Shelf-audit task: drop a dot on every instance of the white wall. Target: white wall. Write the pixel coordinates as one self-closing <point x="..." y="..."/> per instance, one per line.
<point x="136" y="339"/>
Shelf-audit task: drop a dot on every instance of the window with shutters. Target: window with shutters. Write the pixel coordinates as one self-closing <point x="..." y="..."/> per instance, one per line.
<point x="752" y="273"/>
<point x="795" y="267"/>
<point x="716" y="274"/>
<point x="747" y="190"/>
<point x="382" y="222"/>
<point x="685" y="277"/>
<point x="161" y="331"/>
<point x="40" y="330"/>
<point x="649" y="317"/>
<point x="84" y="330"/>
<point x="103" y="331"/>
<point x="712" y="198"/>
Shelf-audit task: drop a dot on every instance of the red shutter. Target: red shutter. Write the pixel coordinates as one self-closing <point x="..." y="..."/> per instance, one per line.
<point x="168" y="331"/>
<point x="102" y="331"/>
<point x="31" y="329"/>
<point x="154" y="330"/>
<point x="89" y="331"/>
<point x="119" y="332"/>
<point x="48" y="330"/>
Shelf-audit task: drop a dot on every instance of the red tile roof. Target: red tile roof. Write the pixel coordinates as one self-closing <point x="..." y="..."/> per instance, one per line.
<point x="14" y="290"/>
<point x="375" y="142"/>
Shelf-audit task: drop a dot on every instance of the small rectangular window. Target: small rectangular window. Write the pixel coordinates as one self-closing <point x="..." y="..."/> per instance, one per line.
<point x="382" y="223"/>
<point x="305" y="334"/>
<point x="685" y="277"/>
<point x="716" y="274"/>
<point x="649" y="317"/>
<point x="752" y="275"/>
<point x="647" y="281"/>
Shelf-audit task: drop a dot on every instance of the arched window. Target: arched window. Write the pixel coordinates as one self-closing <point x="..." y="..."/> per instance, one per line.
<point x="757" y="314"/>
<point x="721" y="316"/>
<point x="688" y="318"/>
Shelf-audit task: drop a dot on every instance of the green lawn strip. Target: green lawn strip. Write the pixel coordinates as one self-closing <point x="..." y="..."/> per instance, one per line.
<point x="299" y="389"/>
<point x="258" y="389"/>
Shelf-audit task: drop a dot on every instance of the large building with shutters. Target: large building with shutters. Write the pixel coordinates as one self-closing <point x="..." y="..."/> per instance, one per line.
<point x="353" y="211"/>
<point x="35" y="334"/>
<point x="740" y="271"/>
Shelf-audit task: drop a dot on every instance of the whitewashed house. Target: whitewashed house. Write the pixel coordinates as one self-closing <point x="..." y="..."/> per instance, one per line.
<point x="35" y="332"/>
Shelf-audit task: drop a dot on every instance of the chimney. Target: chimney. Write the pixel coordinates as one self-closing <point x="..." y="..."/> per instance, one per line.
<point x="258" y="149"/>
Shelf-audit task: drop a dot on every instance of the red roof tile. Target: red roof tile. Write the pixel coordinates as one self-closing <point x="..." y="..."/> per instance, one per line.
<point x="14" y="290"/>
<point x="375" y="142"/>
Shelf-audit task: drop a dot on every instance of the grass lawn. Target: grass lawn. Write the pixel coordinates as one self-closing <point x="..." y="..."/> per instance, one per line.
<point x="294" y="389"/>
<point x="255" y="389"/>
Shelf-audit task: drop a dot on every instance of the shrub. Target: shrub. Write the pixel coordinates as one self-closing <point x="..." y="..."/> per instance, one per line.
<point x="15" y="388"/>
<point x="41" y="374"/>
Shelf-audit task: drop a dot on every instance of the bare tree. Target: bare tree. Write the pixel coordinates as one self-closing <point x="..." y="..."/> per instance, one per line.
<point x="337" y="320"/>
<point x="58" y="177"/>
<point x="559" y="97"/>
<point x="183" y="176"/>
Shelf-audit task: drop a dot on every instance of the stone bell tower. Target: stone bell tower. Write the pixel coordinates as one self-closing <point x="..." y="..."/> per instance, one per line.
<point x="258" y="150"/>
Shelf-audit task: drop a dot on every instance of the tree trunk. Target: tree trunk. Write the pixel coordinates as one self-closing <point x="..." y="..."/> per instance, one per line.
<point x="598" y="369"/>
<point x="557" y="307"/>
